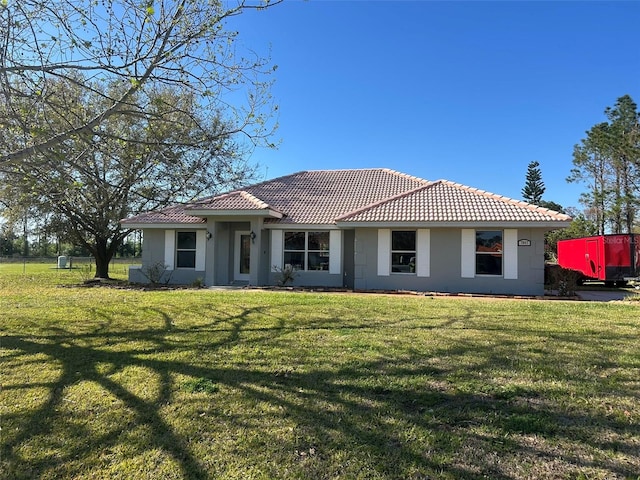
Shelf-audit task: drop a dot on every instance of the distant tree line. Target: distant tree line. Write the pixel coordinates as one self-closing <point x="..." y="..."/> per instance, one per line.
<point x="40" y="241"/>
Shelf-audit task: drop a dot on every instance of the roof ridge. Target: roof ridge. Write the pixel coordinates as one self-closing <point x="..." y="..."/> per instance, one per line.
<point x="196" y="203"/>
<point x="378" y="203"/>
<point x="342" y="170"/>
<point x="325" y="170"/>
<point x="503" y="198"/>
<point x="258" y="201"/>
<point x="364" y="169"/>
<point x="252" y="198"/>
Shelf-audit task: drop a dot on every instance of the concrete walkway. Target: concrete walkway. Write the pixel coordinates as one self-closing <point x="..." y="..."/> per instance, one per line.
<point x="603" y="296"/>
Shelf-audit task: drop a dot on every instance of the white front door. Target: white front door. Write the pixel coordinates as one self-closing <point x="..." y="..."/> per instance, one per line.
<point x="242" y="256"/>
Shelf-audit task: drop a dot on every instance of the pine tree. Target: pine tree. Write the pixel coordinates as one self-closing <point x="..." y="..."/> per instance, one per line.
<point x="534" y="186"/>
<point x="607" y="160"/>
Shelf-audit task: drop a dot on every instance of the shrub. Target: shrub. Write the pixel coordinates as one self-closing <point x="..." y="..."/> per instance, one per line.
<point x="155" y="272"/>
<point x="286" y="275"/>
<point x="564" y="280"/>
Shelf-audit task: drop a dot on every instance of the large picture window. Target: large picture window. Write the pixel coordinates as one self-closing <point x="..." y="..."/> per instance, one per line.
<point x="306" y="250"/>
<point x="186" y="250"/>
<point x="403" y="251"/>
<point x="488" y="252"/>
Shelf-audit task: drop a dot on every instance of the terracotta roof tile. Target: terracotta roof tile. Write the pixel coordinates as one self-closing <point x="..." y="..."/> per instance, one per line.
<point x="319" y="197"/>
<point x="445" y="201"/>
<point x="360" y="195"/>
<point x="237" y="200"/>
<point x="173" y="214"/>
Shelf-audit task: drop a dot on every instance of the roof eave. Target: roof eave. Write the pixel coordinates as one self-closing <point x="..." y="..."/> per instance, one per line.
<point x="301" y="226"/>
<point x="163" y="226"/>
<point x="484" y="224"/>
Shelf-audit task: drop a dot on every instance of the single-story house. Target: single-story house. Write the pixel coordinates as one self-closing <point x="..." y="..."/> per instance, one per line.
<point x="365" y="229"/>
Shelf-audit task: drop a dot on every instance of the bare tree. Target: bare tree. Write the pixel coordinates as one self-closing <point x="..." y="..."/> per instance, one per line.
<point x="179" y="44"/>
<point x="113" y="108"/>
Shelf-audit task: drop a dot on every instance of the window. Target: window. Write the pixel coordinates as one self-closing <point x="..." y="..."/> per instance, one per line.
<point x="403" y="251"/>
<point x="488" y="252"/>
<point x="306" y="250"/>
<point x="186" y="250"/>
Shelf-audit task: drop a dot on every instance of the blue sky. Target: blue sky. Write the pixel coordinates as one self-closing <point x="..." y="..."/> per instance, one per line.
<point x="466" y="91"/>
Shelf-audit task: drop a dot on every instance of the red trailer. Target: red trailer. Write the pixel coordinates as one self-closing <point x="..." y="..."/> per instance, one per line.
<point x="609" y="258"/>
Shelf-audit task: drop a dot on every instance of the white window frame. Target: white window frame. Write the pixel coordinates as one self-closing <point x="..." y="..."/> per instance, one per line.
<point x="502" y="257"/>
<point x="307" y="250"/>
<point x="509" y="253"/>
<point x="412" y="253"/>
<point x="194" y="249"/>
<point x="423" y="252"/>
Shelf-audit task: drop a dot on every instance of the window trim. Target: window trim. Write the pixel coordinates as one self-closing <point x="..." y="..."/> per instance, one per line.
<point x="306" y="251"/>
<point x="194" y="250"/>
<point x="501" y="254"/>
<point x="413" y="252"/>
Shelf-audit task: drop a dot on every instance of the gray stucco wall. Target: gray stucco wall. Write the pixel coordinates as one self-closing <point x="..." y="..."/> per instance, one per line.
<point x="445" y="263"/>
<point x="219" y="256"/>
<point x="310" y="279"/>
<point x="221" y="252"/>
<point x="445" y="271"/>
<point x="153" y="254"/>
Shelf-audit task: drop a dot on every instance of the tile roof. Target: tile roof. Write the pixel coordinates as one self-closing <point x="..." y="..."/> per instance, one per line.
<point x="237" y="200"/>
<point x="323" y="197"/>
<point x="319" y="197"/>
<point x="445" y="201"/>
<point x="173" y="214"/>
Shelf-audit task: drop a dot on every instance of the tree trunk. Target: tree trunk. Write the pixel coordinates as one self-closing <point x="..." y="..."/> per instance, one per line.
<point x="103" y="253"/>
<point x="102" y="268"/>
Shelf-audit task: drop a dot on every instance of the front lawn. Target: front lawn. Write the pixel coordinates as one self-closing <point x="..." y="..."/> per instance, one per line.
<point x="113" y="383"/>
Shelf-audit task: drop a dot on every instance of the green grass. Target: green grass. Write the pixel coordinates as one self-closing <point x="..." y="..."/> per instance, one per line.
<point x="115" y="383"/>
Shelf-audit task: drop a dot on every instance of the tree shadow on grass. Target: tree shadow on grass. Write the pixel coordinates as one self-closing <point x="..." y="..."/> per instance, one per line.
<point x="80" y="362"/>
<point x="393" y="417"/>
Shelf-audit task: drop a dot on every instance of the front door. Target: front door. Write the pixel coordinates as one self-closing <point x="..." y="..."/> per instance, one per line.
<point x="242" y="257"/>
